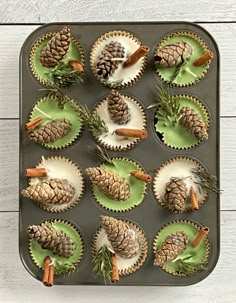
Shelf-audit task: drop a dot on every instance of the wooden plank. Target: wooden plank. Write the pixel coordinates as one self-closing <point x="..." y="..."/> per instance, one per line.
<point x="104" y="10"/>
<point x="9" y="164"/>
<point x="12" y="38"/>
<point x="16" y="285"/>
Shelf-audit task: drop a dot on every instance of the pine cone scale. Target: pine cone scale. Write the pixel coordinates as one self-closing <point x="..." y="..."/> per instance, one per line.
<point x="176" y="195"/>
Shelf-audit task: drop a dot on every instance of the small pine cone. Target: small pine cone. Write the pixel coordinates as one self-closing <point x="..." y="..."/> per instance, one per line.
<point x="51" y="131"/>
<point x="105" y="66"/>
<point x="176" y="195"/>
<point x="122" y="238"/>
<point x="53" y="191"/>
<point x="173" y="246"/>
<point x="49" y="238"/>
<point x="118" y="108"/>
<point x="56" y="48"/>
<point x="193" y="123"/>
<point x="173" y="54"/>
<point x="111" y="184"/>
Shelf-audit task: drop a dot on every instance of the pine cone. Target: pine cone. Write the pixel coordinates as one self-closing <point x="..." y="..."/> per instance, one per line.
<point x="118" y="108"/>
<point x="173" y="54"/>
<point x="53" y="191"/>
<point x="49" y="238"/>
<point x="111" y="184"/>
<point x="51" y="131"/>
<point x="56" y="48"/>
<point x="176" y="195"/>
<point x="105" y="65"/>
<point x="122" y="237"/>
<point x="193" y="123"/>
<point x="173" y="246"/>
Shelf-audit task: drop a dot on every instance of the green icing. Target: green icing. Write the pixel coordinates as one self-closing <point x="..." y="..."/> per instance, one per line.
<point x="50" y="107"/>
<point x="42" y="71"/>
<point x="38" y="253"/>
<point x="176" y="135"/>
<point x="198" y="253"/>
<point x="184" y="78"/>
<point x="137" y="187"/>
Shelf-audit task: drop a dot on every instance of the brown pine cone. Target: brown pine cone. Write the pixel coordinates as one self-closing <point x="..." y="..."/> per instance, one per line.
<point x="193" y="123"/>
<point x="53" y="191"/>
<point x="49" y="238"/>
<point x="56" y="48"/>
<point x="173" y="246"/>
<point x="173" y="54"/>
<point x="118" y="108"/>
<point x="176" y="195"/>
<point x="122" y="237"/>
<point x="51" y="131"/>
<point x="111" y="184"/>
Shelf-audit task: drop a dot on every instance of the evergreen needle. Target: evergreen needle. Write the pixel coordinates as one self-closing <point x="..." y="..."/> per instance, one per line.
<point x="102" y="154"/>
<point x="102" y="264"/>
<point x="206" y="181"/>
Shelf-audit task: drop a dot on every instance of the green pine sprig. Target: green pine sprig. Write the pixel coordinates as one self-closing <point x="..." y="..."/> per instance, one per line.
<point x="102" y="264"/>
<point x="57" y="93"/>
<point x="188" y="265"/>
<point x="206" y="181"/>
<point x="101" y="153"/>
<point x="63" y="267"/>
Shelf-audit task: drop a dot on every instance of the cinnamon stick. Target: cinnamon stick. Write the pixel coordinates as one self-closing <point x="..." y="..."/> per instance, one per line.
<point x="203" y="59"/>
<point x="193" y="198"/>
<point x="115" y="271"/>
<point x="141" y="176"/>
<point x="76" y="66"/>
<point x="140" y="52"/>
<point x="201" y="235"/>
<point x="46" y="273"/>
<point x="36" y="172"/>
<point x="33" y="124"/>
<point x="131" y="133"/>
<point x="51" y="276"/>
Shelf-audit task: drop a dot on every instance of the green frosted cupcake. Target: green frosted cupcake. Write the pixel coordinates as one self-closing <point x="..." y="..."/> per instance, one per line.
<point x="57" y="59"/>
<point x="182" y="248"/>
<point x="175" y="58"/>
<point x="59" y="127"/>
<point x="113" y="186"/>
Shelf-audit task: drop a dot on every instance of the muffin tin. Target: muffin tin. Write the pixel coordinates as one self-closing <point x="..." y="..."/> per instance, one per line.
<point x="151" y="153"/>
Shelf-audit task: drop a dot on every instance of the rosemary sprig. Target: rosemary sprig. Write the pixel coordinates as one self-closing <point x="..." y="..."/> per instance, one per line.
<point x="187" y="265"/>
<point x="58" y="93"/>
<point x="206" y="181"/>
<point x="94" y="122"/>
<point x="101" y="153"/>
<point x="63" y="75"/>
<point x="102" y="264"/>
<point x="63" y="267"/>
<point x="178" y="71"/>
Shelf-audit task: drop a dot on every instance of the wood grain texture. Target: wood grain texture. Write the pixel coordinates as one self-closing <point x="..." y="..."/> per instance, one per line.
<point x="9" y="163"/>
<point x="104" y="10"/>
<point x="17" y="286"/>
<point x="12" y="38"/>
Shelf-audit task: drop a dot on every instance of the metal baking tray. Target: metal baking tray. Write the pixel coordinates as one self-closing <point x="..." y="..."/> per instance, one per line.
<point x="150" y="153"/>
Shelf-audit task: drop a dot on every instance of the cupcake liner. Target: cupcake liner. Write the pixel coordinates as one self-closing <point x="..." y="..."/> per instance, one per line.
<point x="204" y="48"/>
<point x="38" y="253"/>
<point x="206" y="242"/>
<point x="137" y="187"/>
<point x="178" y="167"/>
<point x="62" y="168"/>
<point x="49" y="104"/>
<point x="173" y="133"/>
<point x="138" y="121"/>
<point x="125" y="266"/>
<point x="122" y="77"/>
<point x="37" y="44"/>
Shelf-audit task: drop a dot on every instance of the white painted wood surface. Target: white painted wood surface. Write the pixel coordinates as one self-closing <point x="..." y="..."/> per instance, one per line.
<point x="16" y="285"/>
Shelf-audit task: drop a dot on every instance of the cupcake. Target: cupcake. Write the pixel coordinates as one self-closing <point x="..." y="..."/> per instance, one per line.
<point x="119" y="247"/>
<point x="54" y="125"/>
<point x="178" y="185"/>
<point x="182" y="58"/>
<point x="181" y="248"/>
<point x="125" y="120"/>
<point x="57" y="59"/>
<point x="56" y="246"/>
<point x="56" y="184"/>
<point x="118" y="59"/>
<point x="115" y="185"/>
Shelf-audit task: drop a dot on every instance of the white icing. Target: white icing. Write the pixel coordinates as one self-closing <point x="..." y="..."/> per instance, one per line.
<point x="137" y="121"/>
<point x="122" y="263"/>
<point x="129" y="73"/>
<point x="178" y="168"/>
